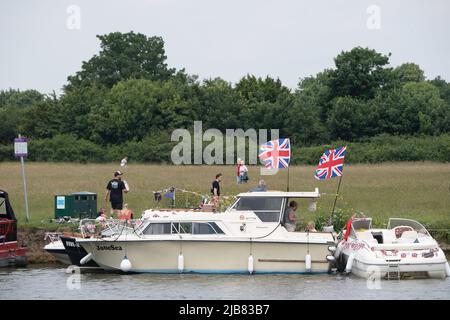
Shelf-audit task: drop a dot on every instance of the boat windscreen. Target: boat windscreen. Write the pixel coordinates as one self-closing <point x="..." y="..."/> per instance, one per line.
<point x="259" y="204"/>
<point x="360" y="224"/>
<point x="396" y="222"/>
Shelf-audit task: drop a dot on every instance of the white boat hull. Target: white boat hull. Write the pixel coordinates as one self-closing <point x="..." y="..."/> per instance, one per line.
<point x="380" y="268"/>
<point x="200" y="256"/>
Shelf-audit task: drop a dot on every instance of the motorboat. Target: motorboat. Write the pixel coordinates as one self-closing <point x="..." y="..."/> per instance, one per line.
<point x="56" y="247"/>
<point x="403" y="249"/>
<point x="11" y="254"/>
<point x="248" y="237"/>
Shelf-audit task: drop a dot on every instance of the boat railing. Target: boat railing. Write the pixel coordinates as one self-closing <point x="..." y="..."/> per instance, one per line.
<point x="108" y="227"/>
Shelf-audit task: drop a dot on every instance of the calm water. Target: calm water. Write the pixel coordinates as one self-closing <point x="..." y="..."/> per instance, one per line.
<point x="50" y="283"/>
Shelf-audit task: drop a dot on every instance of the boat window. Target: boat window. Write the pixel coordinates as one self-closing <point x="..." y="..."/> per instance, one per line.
<point x="2" y="208"/>
<point x="158" y="228"/>
<point x="202" y="228"/>
<point x="216" y="228"/>
<point x="259" y="204"/>
<point x="268" y="216"/>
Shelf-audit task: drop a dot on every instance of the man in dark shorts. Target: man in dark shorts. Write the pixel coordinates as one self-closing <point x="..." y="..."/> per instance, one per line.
<point x="115" y="189"/>
<point x="215" y="190"/>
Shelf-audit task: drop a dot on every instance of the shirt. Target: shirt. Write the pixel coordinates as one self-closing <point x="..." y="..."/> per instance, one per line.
<point x="116" y="188"/>
<point x="215" y="185"/>
<point x="286" y="216"/>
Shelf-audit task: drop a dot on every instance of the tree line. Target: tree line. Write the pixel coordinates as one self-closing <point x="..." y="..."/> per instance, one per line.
<point x="126" y="100"/>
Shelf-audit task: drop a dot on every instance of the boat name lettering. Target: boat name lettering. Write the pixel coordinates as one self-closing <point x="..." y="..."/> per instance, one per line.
<point x="110" y="247"/>
<point x="72" y="244"/>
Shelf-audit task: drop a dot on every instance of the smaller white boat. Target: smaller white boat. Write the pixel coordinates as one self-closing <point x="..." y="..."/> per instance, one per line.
<point x="404" y="249"/>
<point x="56" y="248"/>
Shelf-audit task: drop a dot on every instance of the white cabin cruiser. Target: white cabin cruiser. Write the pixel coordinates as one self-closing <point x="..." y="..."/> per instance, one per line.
<point x="404" y="249"/>
<point x="248" y="237"/>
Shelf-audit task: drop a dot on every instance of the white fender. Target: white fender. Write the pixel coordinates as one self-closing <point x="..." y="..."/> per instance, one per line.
<point x="86" y="258"/>
<point x="447" y="269"/>
<point x="250" y="264"/>
<point x="338" y="251"/>
<point x="125" y="265"/>
<point x="348" y="267"/>
<point x="180" y="263"/>
<point x="308" y="262"/>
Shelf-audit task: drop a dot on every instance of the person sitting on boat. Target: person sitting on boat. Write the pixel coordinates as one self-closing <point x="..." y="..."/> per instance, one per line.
<point x="125" y="213"/>
<point x="311" y="227"/>
<point x="101" y="215"/>
<point x="289" y="219"/>
<point x="260" y="188"/>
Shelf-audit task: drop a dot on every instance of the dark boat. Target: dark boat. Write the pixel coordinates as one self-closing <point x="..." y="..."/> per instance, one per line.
<point x="10" y="253"/>
<point x="76" y="252"/>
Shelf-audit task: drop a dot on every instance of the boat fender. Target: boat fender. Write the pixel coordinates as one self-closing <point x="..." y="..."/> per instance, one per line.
<point x="338" y="251"/>
<point x="180" y="263"/>
<point x="447" y="269"/>
<point x="250" y="264"/>
<point x="86" y="258"/>
<point x="348" y="267"/>
<point x="125" y="265"/>
<point x="308" y="262"/>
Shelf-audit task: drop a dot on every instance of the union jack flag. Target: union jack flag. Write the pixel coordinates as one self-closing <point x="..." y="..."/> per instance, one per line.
<point x="275" y="153"/>
<point x="331" y="164"/>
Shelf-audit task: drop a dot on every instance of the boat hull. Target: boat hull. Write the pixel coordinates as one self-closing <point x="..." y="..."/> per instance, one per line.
<point x="11" y="255"/>
<point x="200" y="256"/>
<point x="75" y="252"/>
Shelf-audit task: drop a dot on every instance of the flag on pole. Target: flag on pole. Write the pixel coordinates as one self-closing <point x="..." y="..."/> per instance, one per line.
<point x="276" y="153"/>
<point x="331" y="164"/>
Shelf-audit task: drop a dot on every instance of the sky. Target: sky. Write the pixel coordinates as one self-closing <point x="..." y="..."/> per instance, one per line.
<point x="44" y="41"/>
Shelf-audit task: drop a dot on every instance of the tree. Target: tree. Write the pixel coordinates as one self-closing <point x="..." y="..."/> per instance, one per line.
<point x="257" y="89"/>
<point x="124" y="56"/>
<point x="348" y="119"/>
<point x="19" y="99"/>
<point x="360" y="72"/>
<point x="408" y="72"/>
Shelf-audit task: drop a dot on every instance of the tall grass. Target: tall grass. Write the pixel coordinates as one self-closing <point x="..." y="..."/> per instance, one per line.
<point x="416" y="190"/>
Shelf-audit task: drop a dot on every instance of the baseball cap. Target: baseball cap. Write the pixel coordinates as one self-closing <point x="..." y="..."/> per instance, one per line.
<point x="117" y="173"/>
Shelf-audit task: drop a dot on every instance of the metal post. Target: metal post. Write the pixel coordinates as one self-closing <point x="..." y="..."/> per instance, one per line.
<point x="337" y="194"/>
<point x="24" y="184"/>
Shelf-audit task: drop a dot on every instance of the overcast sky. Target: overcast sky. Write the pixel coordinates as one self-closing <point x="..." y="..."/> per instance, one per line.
<point x="41" y="43"/>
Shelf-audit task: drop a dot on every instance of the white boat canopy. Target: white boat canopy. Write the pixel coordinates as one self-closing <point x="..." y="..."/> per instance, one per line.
<point x="281" y="194"/>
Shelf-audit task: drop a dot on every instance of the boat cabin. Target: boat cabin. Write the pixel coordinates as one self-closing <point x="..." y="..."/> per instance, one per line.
<point x="8" y="221"/>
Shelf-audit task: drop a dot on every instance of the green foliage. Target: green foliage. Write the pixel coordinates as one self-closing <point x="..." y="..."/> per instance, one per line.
<point x="360" y="72"/>
<point x="124" y="56"/>
<point x="126" y="100"/>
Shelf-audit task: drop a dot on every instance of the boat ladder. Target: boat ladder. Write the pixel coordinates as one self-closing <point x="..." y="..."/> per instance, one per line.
<point x="393" y="270"/>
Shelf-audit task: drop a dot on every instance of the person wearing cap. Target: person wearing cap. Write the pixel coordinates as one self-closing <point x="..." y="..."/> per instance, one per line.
<point x="115" y="189"/>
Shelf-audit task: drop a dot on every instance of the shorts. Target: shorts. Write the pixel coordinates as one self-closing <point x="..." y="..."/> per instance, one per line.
<point x="290" y="227"/>
<point x="116" y="205"/>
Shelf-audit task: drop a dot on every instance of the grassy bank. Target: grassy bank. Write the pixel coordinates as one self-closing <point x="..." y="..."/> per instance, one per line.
<point x="415" y="190"/>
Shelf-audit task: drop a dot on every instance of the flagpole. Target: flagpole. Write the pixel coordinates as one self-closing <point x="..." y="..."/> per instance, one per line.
<point x="337" y="194"/>
<point x="287" y="179"/>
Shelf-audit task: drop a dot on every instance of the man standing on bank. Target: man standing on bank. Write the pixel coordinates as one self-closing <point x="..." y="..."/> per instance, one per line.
<point x="115" y="189"/>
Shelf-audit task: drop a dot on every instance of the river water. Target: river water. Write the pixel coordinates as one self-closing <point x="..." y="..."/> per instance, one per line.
<point x="54" y="282"/>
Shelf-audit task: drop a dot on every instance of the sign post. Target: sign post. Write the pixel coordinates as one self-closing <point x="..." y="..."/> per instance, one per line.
<point x="21" y="151"/>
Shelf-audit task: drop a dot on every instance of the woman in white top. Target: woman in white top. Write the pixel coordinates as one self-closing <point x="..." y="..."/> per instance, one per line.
<point x="243" y="172"/>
